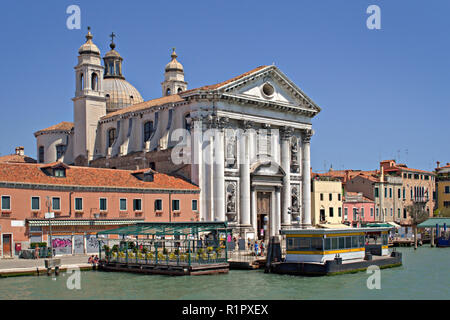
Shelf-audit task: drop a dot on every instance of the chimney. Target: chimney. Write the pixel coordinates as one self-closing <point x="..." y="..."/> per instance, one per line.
<point x="20" y="151"/>
<point x="438" y="164"/>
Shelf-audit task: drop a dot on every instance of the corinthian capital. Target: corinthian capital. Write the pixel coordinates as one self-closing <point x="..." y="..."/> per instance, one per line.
<point x="286" y="132"/>
<point x="306" y="135"/>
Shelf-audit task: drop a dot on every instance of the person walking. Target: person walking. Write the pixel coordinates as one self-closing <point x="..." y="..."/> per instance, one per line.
<point x="256" y="248"/>
<point x="263" y="247"/>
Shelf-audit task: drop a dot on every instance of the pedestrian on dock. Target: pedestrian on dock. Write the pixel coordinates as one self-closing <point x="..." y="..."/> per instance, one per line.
<point x="36" y="252"/>
<point x="256" y="248"/>
<point x="249" y="243"/>
<point x="263" y="246"/>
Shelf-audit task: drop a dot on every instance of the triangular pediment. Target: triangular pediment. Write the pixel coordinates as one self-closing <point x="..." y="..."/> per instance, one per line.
<point x="270" y="85"/>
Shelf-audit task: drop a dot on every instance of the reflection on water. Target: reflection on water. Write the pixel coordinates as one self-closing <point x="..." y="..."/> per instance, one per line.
<point x="424" y="275"/>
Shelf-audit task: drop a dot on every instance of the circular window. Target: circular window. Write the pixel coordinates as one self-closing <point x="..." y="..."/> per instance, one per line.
<point x="268" y="89"/>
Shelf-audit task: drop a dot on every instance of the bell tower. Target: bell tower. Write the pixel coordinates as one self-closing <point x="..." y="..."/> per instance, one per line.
<point x="89" y="103"/>
<point x="173" y="77"/>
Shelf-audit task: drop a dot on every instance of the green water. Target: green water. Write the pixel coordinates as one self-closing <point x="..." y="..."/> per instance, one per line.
<point x="424" y="275"/>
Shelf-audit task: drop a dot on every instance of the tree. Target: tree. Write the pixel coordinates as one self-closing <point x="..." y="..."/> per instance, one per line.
<point x="444" y="213"/>
<point x="418" y="215"/>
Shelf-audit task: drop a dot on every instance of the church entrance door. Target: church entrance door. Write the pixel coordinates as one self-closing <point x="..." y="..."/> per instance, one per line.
<point x="263" y="214"/>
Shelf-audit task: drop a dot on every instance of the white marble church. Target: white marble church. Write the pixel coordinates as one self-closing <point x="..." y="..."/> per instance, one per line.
<point x="244" y="141"/>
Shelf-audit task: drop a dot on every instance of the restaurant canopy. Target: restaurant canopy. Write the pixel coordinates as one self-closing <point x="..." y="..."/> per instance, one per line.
<point x="167" y="228"/>
<point x="432" y="222"/>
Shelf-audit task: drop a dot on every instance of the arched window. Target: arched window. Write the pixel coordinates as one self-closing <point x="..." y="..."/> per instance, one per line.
<point x="94" y="81"/>
<point x="168" y="92"/>
<point x="187" y="122"/>
<point x="148" y="130"/>
<point x="179" y="90"/>
<point x="81" y="81"/>
<point x="111" y="136"/>
<point x="111" y="68"/>
<point x="41" y="154"/>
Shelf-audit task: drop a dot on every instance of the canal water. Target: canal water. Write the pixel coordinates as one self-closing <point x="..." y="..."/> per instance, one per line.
<point x="424" y="275"/>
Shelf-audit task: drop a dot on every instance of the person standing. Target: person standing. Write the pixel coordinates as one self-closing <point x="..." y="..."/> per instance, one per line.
<point x="256" y="248"/>
<point x="263" y="247"/>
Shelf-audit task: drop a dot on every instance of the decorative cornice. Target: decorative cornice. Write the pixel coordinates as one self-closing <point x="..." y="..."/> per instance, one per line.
<point x="36" y="186"/>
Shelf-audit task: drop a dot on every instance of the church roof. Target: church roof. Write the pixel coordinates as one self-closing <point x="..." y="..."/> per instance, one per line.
<point x="146" y="104"/>
<point x="120" y="94"/>
<point x="176" y="97"/>
<point x="62" y="126"/>
<point x="89" y="177"/>
<point x="221" y="84"/>
<point x="16" y="158"/>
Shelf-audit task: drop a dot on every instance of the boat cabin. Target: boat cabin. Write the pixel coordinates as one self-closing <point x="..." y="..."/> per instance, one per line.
<point x="320" y="245"/>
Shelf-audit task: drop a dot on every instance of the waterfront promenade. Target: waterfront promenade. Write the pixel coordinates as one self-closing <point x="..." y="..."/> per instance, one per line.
<point x="14" y="267"/>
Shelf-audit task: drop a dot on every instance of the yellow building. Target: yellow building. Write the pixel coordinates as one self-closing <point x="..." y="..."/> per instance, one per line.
<point x="326" y="201"/>
<point x="443" y="187"/>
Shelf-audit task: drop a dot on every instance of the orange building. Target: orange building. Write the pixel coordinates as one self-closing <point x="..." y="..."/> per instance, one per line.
<point x="84" y="201"/>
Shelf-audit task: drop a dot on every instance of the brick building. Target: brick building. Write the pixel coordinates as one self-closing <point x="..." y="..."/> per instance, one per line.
<point x="84" y="201"/>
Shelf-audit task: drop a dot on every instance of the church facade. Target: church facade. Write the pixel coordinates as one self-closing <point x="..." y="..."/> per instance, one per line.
<point x="245" y="141"/>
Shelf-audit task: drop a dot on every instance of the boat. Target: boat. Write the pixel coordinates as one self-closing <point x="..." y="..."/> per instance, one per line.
<point x="317" y="252"/>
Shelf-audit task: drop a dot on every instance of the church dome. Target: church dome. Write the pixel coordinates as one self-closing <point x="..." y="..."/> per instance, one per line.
<point x="174" y="65"/>
<point x="89" y="46"/>
<point x="120" y="94"/>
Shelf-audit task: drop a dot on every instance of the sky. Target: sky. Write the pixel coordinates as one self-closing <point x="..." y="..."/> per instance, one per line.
<point x="384" y="93"/>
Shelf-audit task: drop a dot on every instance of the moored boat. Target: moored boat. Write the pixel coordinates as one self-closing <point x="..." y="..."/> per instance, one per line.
<point x="334" y="251"/>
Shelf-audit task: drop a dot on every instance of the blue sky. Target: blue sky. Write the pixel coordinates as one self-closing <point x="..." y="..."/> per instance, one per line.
<point x="384" y="93"/>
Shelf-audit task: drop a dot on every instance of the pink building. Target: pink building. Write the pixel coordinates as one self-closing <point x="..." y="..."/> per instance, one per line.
<point x="84" y="201"/>
<point x="357" y="209"/>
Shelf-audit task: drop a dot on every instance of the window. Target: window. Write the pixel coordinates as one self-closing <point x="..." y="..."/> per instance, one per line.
<point x="339" y="197"/>
<point x="348" y="242"/>
<point x="179" y="90"/>
<point x="60" y="150"/>
<point x="447" y="189"/>
<point x="41" y="154"/>
<point x="94" y="81"/>
<point x="399" y="193"/>
<point x="137" y="204"/>
<point x="331" y="212"/>
<point x="148" y="130"/>
<point x="103" y="204"/>
<point x="390" y="192"/>
<point x="59" y="172"/>
<point x="168" y="92"/>
<point x="321" y="197"/>
<point x="385" y="192"/>
<point x="362" y="212"/>
<point x="416" y="176"/>
<point x="56" y="204"/>
<point x="411" y="193"/>
<point x="340" y="212"/>
<point x="355" y="242"/>
<point x="194" y="205"/>
<point x="334" y="243"/>
<point x="111" y="136"/>
<point x="175" y="205"/>
<point x="345" y="213"/>
<point x="35" y="205"/>
<point x="398" y="213"/>
<point x="78" y="204"/>
<point x="377" y="212"/>
<point x="355" y="212"/>
<point x="6" y="203"/>
<point x="123" y="204"/>
<point x="331" y="197"/>
<point x="404" y="194"/>
<point x="81" y="81"/>
<point x="316" y="243"/>
<point x="391" y="211"/>
<point x="304" y="243"/>
<point x="376" y="193"/>
<point x="371" y="212"/>
<point x="158" y="205"/>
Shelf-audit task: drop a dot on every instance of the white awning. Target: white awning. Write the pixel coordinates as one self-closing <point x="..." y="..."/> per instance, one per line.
<point x="394" y="224"/>
<point x="334" y="226"/>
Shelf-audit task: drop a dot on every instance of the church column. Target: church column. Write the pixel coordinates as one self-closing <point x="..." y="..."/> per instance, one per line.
<point x="254" y="213"/>
<point x="286" y="134"/>
<point x="273" y="215"/>
<point x="244" y="172"/>
<point x="197" y="161"/>
<point x="219" y="169"/>
<point x="277" y="206"/>
<point x="306" y="177"/>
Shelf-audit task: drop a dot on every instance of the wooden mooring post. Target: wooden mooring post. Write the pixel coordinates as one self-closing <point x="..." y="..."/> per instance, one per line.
<point x="52" y="263"/>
